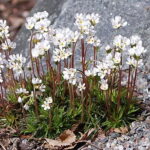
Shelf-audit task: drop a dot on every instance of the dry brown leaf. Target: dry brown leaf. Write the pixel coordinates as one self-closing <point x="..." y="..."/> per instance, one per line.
<point x="65" y="139"/>
<point x="67" y="136"/>
<point x="101" y="134"/>
<point x="122" y="130"/>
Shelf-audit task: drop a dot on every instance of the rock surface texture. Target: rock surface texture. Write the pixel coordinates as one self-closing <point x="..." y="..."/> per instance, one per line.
<point x="62" y="12"/>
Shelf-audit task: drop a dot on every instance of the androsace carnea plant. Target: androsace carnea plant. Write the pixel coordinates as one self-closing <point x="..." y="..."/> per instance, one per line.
<point x="66" y="80"/>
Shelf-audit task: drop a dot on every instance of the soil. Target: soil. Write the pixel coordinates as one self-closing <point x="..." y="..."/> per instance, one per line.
<point x="15" y="12"/>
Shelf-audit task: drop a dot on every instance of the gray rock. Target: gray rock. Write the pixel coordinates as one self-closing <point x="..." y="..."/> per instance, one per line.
<point x="114" y="135"/>
<point x="136" y="12"/>
<point x="104" y="140"/>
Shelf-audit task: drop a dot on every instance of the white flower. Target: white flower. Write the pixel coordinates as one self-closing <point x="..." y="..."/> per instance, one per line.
<point x="93" y="40"/>
<point x="70" y="75"/>
<point x="61" y="54"/>
<point x="81" y="86"/>
<point x="137" y="51"/>
<point x="97" y="42"/>
<point x="8" y="45"/>
<point x="117" y="58"/>
<point x="26" y="107"/>
<point x="102" y="69"/>
<point x="16" y="63"/>
<point x="88" y="73"/>
<point x="133" y="62"/>
<point x="42" y="25"/>
<point x="109" y="61"/>
<point x="83" y="23"/>
<point x="72" y="81"/>
<point x="30" y="23"/>
<point x="36" y="81"/>
<point x="37" y="37"/>
<point x="39" y="21"/>
<point x="118" y="22"/>
<point x="41" y="15"/>
<point x="104" y="85"/>
<point x="36" y="53"/>
<point x="22" y="91"/>
<point x="40" y="48"/>
<point x="47" y="102"/>
<point x="86" y="23"/>
<point x="4" y="29"/>
<point x="121" y="42"/>
<point x="135" y="40"/>
<point x="46" y="105"/>
<point x="75" y="36"/>
<point x="42" y="88"/>
<point x="108" y="48"/>
<point x="93" y="18"/>
<point x="63" y="37"/>
<point x="20" y="100"/>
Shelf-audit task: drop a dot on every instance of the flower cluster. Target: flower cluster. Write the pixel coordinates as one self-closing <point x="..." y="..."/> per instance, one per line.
<point x="16" y="63"/>
<point x="39" y="22"/>
<point x="40" y="49"/>
<point x="7" y="44"/>
<point x="4" y="29"/>
<point x="61" y="54"/>
<point x="135" y="51"/>
<point x="22" y="94"/>
<point x="70" y="75"/>
<point x="62" y="39"/>
<point x="56" y="71"/>
<point x="86" y="22"/>
<point x="37" y="83"/>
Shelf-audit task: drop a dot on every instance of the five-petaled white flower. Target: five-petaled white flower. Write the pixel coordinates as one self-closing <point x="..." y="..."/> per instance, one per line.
<point x="81" y="86"/>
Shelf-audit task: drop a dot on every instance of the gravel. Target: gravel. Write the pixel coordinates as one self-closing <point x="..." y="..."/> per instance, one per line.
<point x="138" y="138"/>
